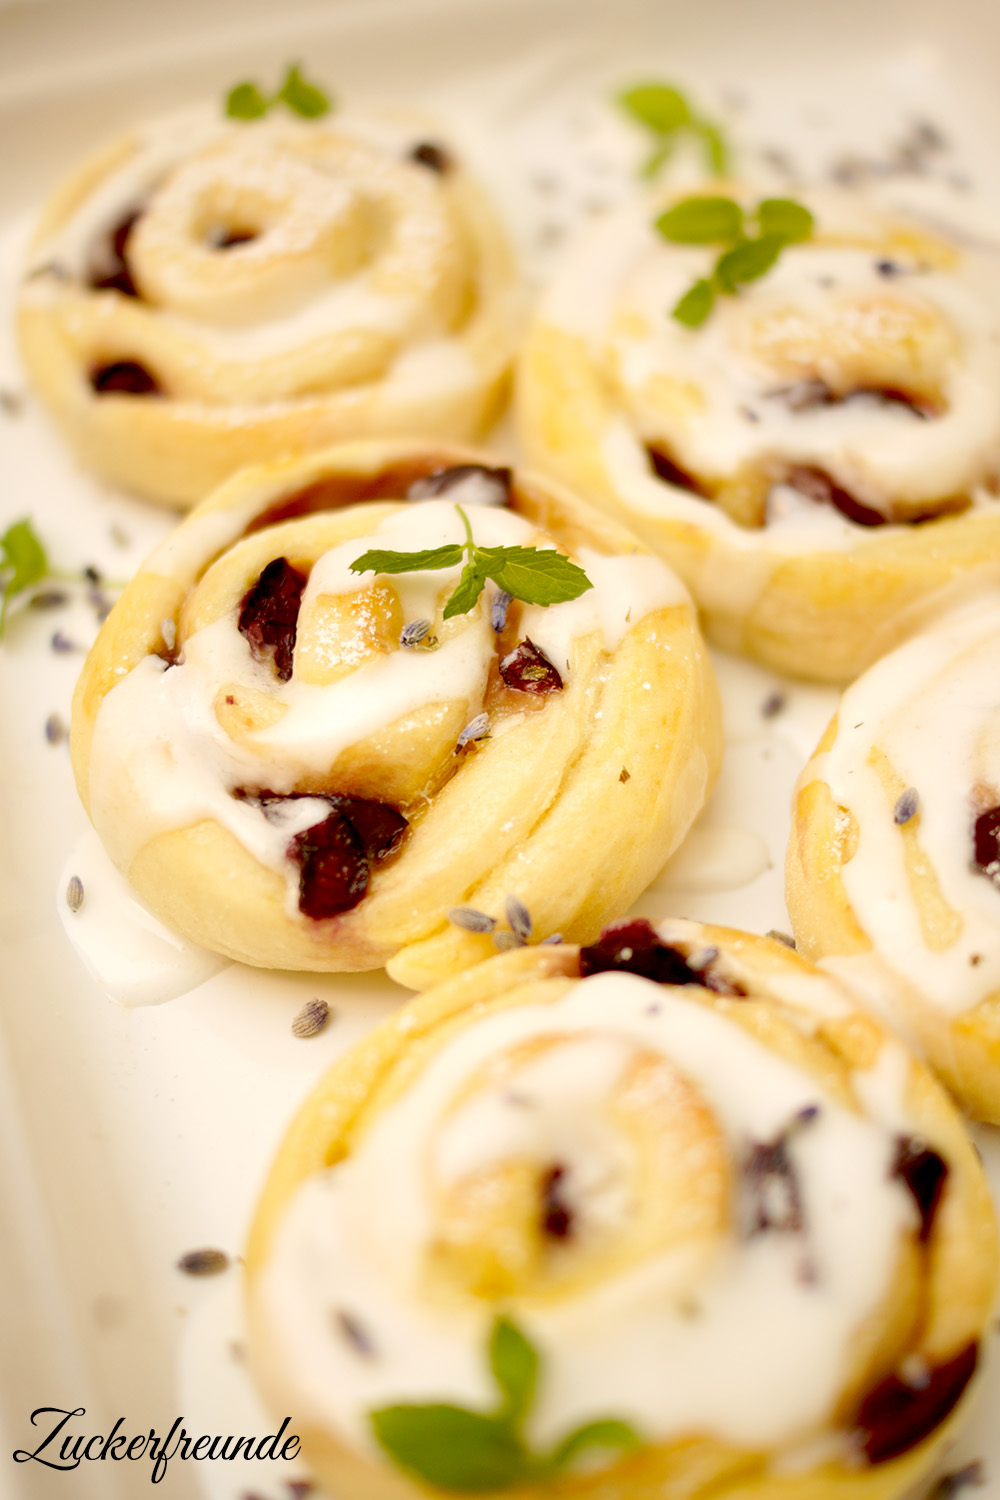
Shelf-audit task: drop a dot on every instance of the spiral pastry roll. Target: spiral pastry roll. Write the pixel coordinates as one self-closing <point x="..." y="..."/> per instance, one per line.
<point x="894" y="861"/>
<point x="734" y="1231"/>
<point x="207" y="294"/>
<point x="819" y="458"/>
<point x="308" y="767"/>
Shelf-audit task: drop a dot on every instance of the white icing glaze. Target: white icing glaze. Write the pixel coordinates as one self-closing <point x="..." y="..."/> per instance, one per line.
<point x="160" y="759"/>
<point x="615" y="292"/>
<point x="762" y="1361"/>
<point x="931" y="706"/>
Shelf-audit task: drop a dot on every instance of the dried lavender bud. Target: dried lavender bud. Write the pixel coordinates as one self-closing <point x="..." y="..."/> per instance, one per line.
<point x="48" y="599"/>
<point x="203" y="1262"/>
<point x="773" y="705"/>
<point x="74" y="893"/>
<point x="498" y="610"/>
<point x="62" y="645"/>
<point x="353" y="1330"/>
<point x="780" y="937"/>
<point x="553" y="937"/>
<point x="972" y="1476"/>
<point x="298" y="1489"/>
<point x="503" y="942"/>
<point x="311" y="1018"/>
<point x="906" y="806"/>
<point x="624" y="775"/>
<point x="55" y="730"/>
<point x="518" y="918"/>
<point x="412" y="634"/>
<point x="471" y="920"/>
<point x="91" y="574"/>
<point x="10" y="403"/>
<point x="476" y="729"/>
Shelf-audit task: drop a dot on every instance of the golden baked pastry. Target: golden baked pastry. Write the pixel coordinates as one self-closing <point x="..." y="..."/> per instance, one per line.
<point x="894" y="856"/>
<point x="208" y="293"/>
<point x="819" y="457"/>
<point x="305" y="767"/>
<point x="675" y="1185"/>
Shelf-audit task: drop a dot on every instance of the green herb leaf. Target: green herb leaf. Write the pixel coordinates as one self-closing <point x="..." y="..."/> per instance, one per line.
<point x="514" y="1362"/>
<point x="791" y="221"/>
<point x="702" y="221"/>
<point x="246" y="102"/>
<point x="534" y="575"/>
<point x="696" y="304"/>
<point x="470" y="586"/>
<point x="659" y="106"/>
<point x="22" y="563"/>
<point x="306" y="99"/>
<point x="451" y="1447"/>
<point x="379" y="561"/>
<point x="607" y="1434"/>
<point x="748" y="261"/>
<point x="716" y="147"/>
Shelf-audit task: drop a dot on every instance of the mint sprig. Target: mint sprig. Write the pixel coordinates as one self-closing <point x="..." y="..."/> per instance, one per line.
<point x="706" y="220"/>
<point x="23" y="561"/>
<point x="665" y="111"/>
<point x="468" y="1451"/>
<point x="532" y="574"/>
<point x="247" y="102"/>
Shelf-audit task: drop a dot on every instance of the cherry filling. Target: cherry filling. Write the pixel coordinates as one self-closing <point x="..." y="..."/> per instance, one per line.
<point x="269" y="614"/>
<point x="124" y="377"/>
<point x="986" y="843"/>
<point x="667" y="469"/>
<point x="430" y="154"/>
<point x="895" y="1416"/>
<point x="817" y="486"/>
<point x="808" y="395"/>
<point x="227" y="239"/>
<point x="529" y="670"/>
<point x="925" y="1174"/>
<point x="634" y="947"/>
<point x="486" y="486"/>
<point x="335" y="855"/>
<point x="557" y="1216"/>
<point x="109" y="268"/>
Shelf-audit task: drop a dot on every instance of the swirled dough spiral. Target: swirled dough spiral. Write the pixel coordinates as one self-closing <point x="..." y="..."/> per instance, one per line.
<point x="773" y="1252"/>
<point x="891" y="865"/>
<point x="207" y="294"/>
<point x="282" y="777"/>
<point x="820" y="458"/>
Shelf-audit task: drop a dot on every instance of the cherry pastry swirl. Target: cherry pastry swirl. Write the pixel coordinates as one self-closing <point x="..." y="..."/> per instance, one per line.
<point x="728" y="1210"/>
<point x="306" y="767"/>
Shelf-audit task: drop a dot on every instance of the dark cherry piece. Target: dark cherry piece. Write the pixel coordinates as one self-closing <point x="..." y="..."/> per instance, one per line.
<point x="529" y="670"/>
<point x="817" y="486"/>
<point x="429" y="486"/>
<point x="808" y="395"/>
<point x="925" y="1174"/>
<point x="125" y="377"/>
<point x="986" y="842"/>
<point x="269" y="614"/>
<point x="665" y="468"/>
<point x="429" y="154"/>
<point x="633" y="947"/>
<point x="335" y="856"/>
<point x="772" y="1184"/>
<point x="226" y="239"/>
<point x="557" y="1216"/>
<point x="109" y="270"/>
<point x="895" y="1417"/>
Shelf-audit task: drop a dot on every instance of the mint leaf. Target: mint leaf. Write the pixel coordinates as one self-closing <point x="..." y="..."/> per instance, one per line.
<point x="451" y="1447"/>
<point x="22" y="563"/>
<point x="791" y="221"/>
<point x="246" y="102"/>
<point x="696" y="304"/>
<point x="606" y="1434"/>
<point x="470" y="586"/>
<point x="514" y="1362"/>
<point x="701" y="221"/>
<point x="303" y="98"/>
<point x="534" y="575"/>
<point x="659" y="106"/>
<point x="716" y="147"/>
<point x="748" y="261"/>
<point x="379" y="561"/>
